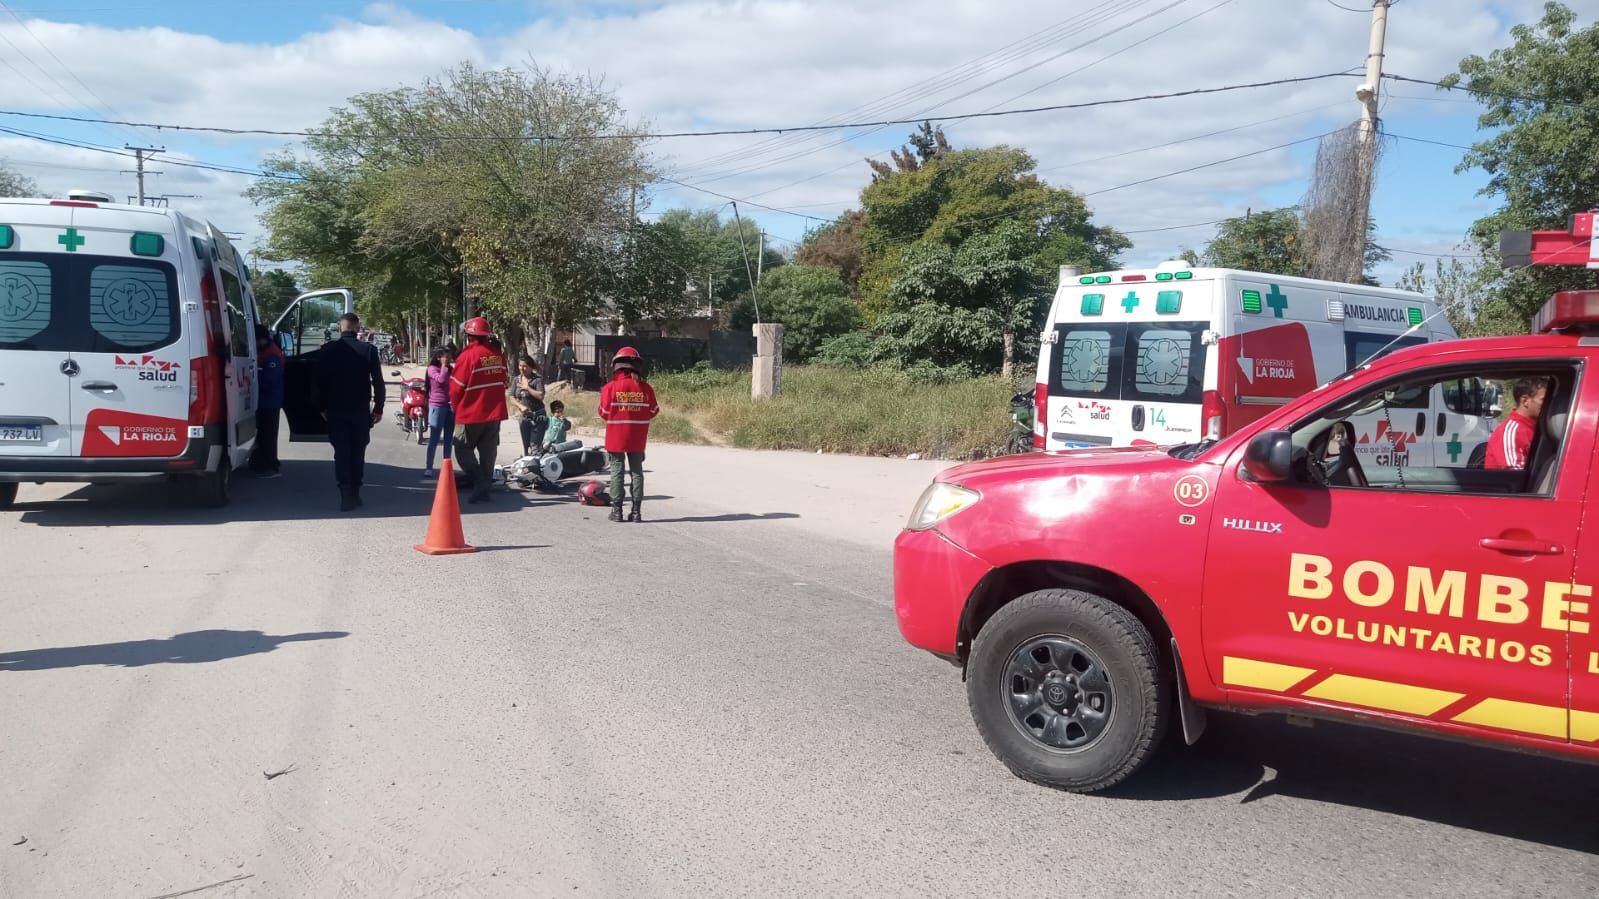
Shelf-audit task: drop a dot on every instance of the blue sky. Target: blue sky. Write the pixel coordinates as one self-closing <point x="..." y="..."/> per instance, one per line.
<point x="714" y="64"/>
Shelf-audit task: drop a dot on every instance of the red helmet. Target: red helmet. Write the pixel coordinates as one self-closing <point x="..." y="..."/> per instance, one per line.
<point x="593" y="493"/>
<point x="626" y="357"/>
<point x="478" y="327"/>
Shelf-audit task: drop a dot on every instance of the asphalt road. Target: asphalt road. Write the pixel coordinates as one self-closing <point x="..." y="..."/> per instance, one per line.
<point x="714" y="703"/>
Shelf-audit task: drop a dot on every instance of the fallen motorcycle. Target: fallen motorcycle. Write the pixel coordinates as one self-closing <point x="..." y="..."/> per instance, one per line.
<point x="544" y="470"/>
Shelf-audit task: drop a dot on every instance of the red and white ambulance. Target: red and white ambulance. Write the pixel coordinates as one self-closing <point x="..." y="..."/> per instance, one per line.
<point x="1155" y="357"/>
<point x="127" y="346"/>
<point x="1096" y="598"/>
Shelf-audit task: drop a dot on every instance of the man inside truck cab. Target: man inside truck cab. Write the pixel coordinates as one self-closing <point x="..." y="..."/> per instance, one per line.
<point x="1507" y="448"/>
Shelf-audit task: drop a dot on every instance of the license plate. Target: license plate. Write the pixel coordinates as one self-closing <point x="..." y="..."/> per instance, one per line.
<point x="21" y="434"/>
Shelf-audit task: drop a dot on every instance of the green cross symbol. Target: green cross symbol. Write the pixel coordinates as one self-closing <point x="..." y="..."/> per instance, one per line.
<point x="71" y="240"/>
<point x="1130" y="302"/>
<point x="1453" y="447"/>
<point x="1277" y="300"/>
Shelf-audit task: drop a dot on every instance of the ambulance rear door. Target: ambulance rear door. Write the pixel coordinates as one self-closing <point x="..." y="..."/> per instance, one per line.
<point x="1126" y="364"/>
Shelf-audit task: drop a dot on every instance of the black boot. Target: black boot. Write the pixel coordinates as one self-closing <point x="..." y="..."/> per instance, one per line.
<point x="616" y="511"/>
<point x="635" y="515"/>
<point x="347" y="500"/>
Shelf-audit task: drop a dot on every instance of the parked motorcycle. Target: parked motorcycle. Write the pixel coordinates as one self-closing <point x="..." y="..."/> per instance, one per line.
<point x="412" y="416"/>
<point x="545" y="469"/>
<point x="1021" y="423"/>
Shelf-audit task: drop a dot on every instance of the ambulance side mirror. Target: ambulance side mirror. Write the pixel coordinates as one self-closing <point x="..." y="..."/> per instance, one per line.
<point x="1269" y="457"/>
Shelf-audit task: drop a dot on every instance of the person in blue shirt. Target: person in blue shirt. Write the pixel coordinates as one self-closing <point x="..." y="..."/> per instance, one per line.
<point x="268" y="405"/>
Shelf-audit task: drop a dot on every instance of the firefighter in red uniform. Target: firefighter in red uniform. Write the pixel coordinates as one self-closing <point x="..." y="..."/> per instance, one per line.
<point x="627" y="404"/>
<point x="477" y="393"/>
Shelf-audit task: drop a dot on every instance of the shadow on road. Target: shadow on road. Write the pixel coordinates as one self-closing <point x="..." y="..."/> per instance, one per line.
<point x="185" y="649"/>
<point x="1522" y="797"/>
<point x="305" y="492"/>
<point x="731" y="516"/>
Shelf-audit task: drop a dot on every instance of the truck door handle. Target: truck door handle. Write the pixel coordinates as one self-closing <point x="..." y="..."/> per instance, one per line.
<point x="1521" y="547"/>
<point x="1138" y="418"/>
<point x="99" y="386"/>
<point x="1443" y="422"/>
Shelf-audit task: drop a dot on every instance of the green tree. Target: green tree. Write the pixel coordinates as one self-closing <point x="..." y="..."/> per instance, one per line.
<point x="1540" y="100"/>
<point x="274" y="290"/>
<point x="1467" y="292"/>
<point x="960" y="249"/>
<point x="1272" y="241"/>
<point x="813" y="304"/>
<point x="1266" y="241"/>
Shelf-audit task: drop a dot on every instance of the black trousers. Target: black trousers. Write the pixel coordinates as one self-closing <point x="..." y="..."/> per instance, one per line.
<point x="349" y="437"/>
<point x="532" y="432"/>
<point x="265" y="455"/>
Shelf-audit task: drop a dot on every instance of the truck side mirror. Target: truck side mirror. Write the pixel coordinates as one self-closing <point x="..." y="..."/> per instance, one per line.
<point x="1269" y="457"/>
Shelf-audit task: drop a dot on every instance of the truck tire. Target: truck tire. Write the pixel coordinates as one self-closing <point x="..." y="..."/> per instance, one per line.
<point x="8" y="495"/>
<point x="1066" y="689"/>
<point x="216" y="488"/>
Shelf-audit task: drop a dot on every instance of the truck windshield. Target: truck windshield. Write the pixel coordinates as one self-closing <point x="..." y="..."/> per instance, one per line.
<point x="86" y="304"/>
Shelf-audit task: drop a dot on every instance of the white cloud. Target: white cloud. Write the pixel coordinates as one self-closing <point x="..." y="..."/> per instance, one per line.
<point x="702" y="64"/>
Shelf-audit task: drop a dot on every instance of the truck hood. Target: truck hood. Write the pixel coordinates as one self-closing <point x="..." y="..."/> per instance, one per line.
<point x="1062" y="462"/>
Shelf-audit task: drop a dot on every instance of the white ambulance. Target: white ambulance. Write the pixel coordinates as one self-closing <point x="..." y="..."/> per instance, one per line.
<point x="1175" y="354"/>
<point x="127" y="346"/>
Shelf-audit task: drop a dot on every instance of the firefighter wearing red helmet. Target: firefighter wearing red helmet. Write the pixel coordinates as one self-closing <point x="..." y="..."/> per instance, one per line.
<point x="627" y="403"/>
<point x="477" y="392"/>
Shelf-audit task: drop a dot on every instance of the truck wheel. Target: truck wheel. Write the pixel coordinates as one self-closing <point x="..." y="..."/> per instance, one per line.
<point x="1065" y="688"/>
<point x="8" y="495"/>
<point x="216" y="488"/>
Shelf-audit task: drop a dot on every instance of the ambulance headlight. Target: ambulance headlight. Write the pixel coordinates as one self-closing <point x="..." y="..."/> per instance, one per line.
<point x="939" y="501"/>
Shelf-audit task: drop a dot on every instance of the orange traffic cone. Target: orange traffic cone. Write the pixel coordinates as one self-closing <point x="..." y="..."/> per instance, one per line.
<point x="445" y="537"/>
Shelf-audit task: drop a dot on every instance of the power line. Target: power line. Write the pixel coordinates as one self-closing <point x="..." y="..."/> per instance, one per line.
<point x="976" y="90"/>
<point x="1530" y="98"/>
<point x="1347" y="8"/>
<point x="1087" y="104"/>
<point x="954" y="76"/>
<point x="1207" y="165"/>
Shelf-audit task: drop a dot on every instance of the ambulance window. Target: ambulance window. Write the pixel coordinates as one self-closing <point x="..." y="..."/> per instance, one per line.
<point x="1168" y="363"/>
<point x="1090" y="361"/>
<point x="1365" y="347"/>
<point x="24" y="303"/>
<point x="238" y="325"/>
<point x="131" y="307"/>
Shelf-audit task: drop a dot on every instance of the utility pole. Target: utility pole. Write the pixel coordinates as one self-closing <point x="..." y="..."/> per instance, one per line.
<point x="139" y="156"/>
<point x="1369" y="93"/>
<point x="760" y="256"/>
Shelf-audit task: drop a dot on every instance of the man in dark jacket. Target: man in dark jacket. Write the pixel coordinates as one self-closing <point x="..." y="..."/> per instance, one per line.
<point x="268" y="403"/>
<point x="350" y="376"/>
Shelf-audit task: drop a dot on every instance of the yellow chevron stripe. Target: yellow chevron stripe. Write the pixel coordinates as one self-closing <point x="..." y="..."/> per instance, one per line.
<point x="1380" y="694"/>
<point x="1584" y="727"/>
<point x="1238" y="672"/>
<point x="1522" y="717"/>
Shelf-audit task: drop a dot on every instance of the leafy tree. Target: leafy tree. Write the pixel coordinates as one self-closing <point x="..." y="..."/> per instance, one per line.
<point x="16" y="184"/>
<point x="274" y="290"/>
<point x="1541" y="109"/>
<point x="836" y="246"/>
<point x="1272" y="241"/>
<point x="1467" y="292"/>
<point x="812" y="304"/>
<point x="960" y="249"/>
<point x="721" y="254"/>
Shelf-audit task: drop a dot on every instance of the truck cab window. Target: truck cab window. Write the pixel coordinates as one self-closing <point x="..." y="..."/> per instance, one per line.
<point x="1371" y="441"/>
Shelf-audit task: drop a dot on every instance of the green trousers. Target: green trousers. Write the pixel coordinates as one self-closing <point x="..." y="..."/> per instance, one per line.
<point x="621" y="463"/>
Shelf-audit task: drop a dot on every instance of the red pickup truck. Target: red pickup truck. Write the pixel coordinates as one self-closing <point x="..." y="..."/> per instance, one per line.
<point x="1310" y="564"/>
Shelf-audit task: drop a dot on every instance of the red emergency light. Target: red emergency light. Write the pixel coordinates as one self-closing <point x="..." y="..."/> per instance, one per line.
<point x="1577" y="245"/>
<point x="1571" y="310"/>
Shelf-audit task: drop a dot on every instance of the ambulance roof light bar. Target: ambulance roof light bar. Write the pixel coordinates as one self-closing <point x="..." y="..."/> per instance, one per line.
<point x="1574" y="311"/>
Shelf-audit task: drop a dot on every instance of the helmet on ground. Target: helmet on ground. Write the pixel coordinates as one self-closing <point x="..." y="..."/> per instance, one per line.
<point x="626" y="357"/>
<point x="478" y="327"/>
<point x="593" y="493"/>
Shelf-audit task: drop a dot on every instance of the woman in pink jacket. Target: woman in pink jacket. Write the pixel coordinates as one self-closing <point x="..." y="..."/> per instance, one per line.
<point x="441" y="418"/>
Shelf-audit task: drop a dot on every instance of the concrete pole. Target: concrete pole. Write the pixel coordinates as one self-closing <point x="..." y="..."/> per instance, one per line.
<point x="1370" y="91"/>
<point x="767" y="368"/>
